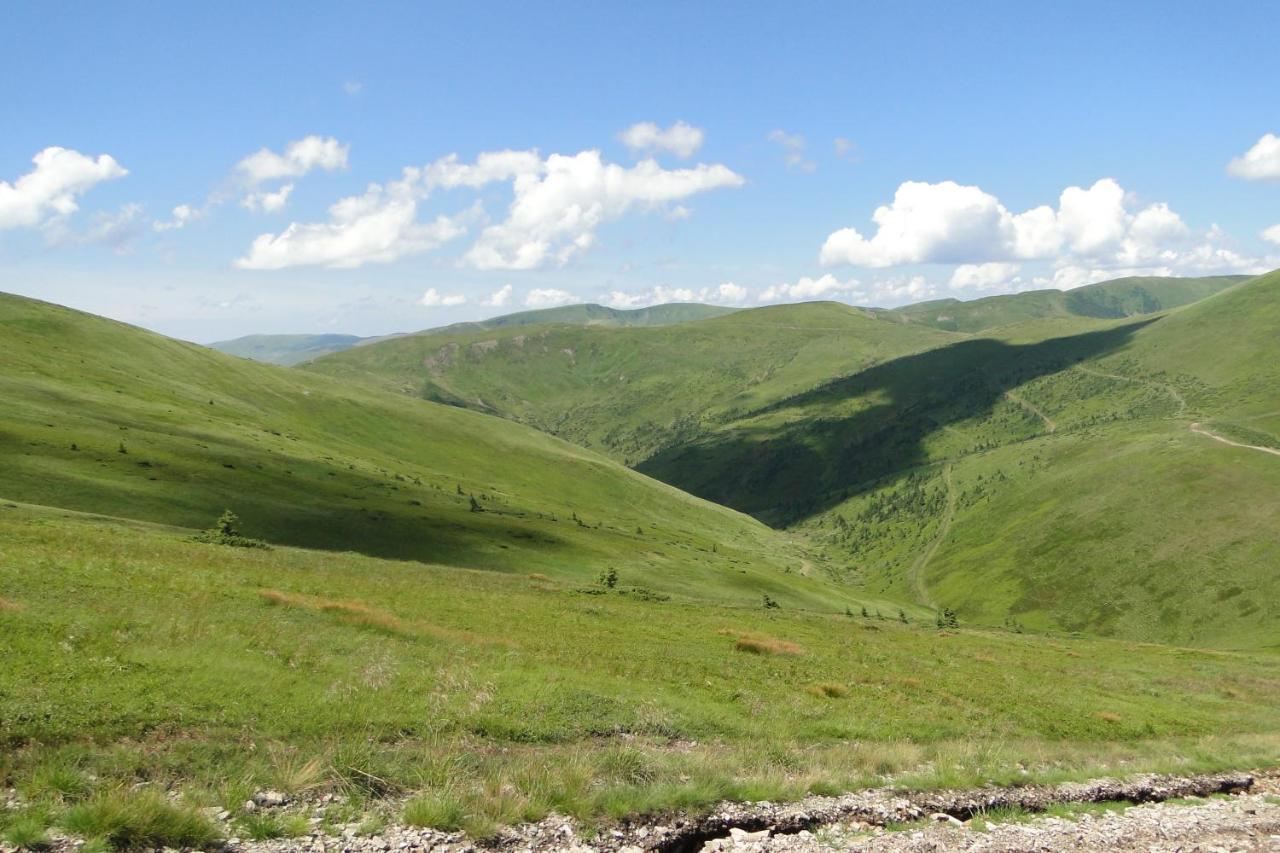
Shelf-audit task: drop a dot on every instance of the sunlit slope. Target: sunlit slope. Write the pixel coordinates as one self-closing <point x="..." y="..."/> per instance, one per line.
<point x="103" y="417"/>
<point x="1119" y="298"/>
<point x="630" y="392"/>
<point x="1111" y="508"/>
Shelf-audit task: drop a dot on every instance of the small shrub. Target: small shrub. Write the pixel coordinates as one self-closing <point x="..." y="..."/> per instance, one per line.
<point x="141" y="819"/>
<point x="769" y="603"/>
<point x="609" y="578"/>
<point x="27" y="833"/>
<point x="227" y="532"/>
<point x="475" y="505"/>
<point x="441" y="810"/>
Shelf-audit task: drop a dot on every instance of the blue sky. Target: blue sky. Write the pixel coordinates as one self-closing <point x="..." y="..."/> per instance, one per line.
<point x="628" y="154"/>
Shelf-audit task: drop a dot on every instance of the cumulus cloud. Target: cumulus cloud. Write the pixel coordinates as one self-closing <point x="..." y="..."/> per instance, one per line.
<point x="50" y="190"/>
<point x="951" y="223"/>
<point x="181" y="216"/>
<point x="807" y="288"/>
<point x="299" y="158"/>
<point x="727" y="293"/>
<point x="680" y="139"/>
<point x="432" y="298"/>
<point x="558" y="204"/>
<point x="547" y="297"/>
<point x="498" y="298"/>
<point x="1272" y="234"/>
<point x="376" y="227"/>
<point x="988" y="276"/>
<point x="267" y="202"/>
<point x="793" y="146"/>
<point x="555" y="213"/>
<point x="1259" y="163"/>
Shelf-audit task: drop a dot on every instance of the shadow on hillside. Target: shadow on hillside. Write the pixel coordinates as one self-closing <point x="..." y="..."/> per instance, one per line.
<point x="816" y="460"/>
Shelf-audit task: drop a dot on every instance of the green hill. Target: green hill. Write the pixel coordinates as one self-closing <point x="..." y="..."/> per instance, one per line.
<point x="424" y="661"/>
<point x="907" y="452"/>
<point x="1122" y="297"/>
<point x="285" y="349"/>
<point x="105" y="418"/>
<point x="289" y="350"/>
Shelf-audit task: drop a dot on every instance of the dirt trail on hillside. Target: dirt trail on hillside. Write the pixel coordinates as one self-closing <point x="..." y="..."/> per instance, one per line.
<point x="1049" y="425"/>
<point x="916" y="573"/>
<point x="1163" y="386"/>
<point x="1196" y="428"/>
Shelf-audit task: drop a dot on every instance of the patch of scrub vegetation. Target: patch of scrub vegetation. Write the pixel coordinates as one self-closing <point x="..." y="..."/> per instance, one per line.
<point x="525" y="699"/>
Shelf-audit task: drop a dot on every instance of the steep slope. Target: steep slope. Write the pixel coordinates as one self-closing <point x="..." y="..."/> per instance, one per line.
<point x="1119" y="298"/>
<point x="106" y="418"/>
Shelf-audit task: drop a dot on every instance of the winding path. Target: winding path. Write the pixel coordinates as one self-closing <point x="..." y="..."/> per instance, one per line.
<point x="1049" y="425"/>
<point x="1199" y="430"/>
<point x="916" y="573"/>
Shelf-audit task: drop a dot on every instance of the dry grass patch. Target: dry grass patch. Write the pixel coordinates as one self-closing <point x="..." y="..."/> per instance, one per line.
<point x="10" y="606"/>
<point x="828" y="690"/>
<point x="362" y="615"/>
<point x="760" y="644"/>
<point x="1108" y="716"/>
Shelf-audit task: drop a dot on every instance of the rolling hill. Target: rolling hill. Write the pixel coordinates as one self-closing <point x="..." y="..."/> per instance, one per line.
<point x="289" y="350"/>
<point x="1115" y="299"/>
<point x="906" y="450"/>
<point x="105" y="418"/>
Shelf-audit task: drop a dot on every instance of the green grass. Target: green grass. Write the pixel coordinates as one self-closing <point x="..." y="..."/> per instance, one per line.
<point x="104" y="418"/>
<point x="1080" y="498"/>
<point x="137" y="819"/>
<point x="140" y="655"/>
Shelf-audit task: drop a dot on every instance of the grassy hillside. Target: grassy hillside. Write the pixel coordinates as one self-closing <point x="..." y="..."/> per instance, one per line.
<point x="631" y="392"/>
<point x="908" y="454"/>
<point x="135" y="655"/>
<point x="1122" y="297"/>
<point x="285" y="349"/>
<point x="106" y="418"/>
<point x="289" y="350"/>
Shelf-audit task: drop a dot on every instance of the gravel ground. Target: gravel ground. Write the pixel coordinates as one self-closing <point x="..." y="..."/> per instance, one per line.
<point x="1247" y="818"/>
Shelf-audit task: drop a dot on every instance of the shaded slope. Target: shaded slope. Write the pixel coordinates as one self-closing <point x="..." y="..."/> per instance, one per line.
<point x="631" y="392"/>
<point x="107" y="418"/>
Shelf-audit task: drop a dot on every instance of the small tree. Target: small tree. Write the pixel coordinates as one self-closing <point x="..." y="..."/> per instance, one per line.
<point x="228" y="524"/>
<point x="902" y="616"/>
<point x="609" y="578"/>
<point x="227" y="532"/>
<point x="475" y="505"/>
<point x="769" y="603"/>
<point x="865" y="614"/>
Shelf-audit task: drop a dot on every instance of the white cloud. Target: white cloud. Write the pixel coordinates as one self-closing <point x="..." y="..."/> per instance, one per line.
<point x="681" y="139"/>
<point x="116" y="230"/>
<point x="182" y="215"/>
<point x="846" y="149"/>
<point x="951" y="223"/>
<point x="548" y="298"/>
<point x="353" y="87"/>
<point x="499" y="297"/>
<point x="726" y="293"/>
<point x="730" y="292"/>
<point x="988" y="276"/>
<point x="807" y="288"/>
<point x="555" y="214"/>
<point x="793" y="144"/>
<point x="376" y="227"/>
<point x="432" y="298"/>
<point x="299" y="158"/>
<point x="267" y="202"/>
<point x="1272" y="234"/>
<point x="1259" y="163"/>
<point x="51" y="188"/>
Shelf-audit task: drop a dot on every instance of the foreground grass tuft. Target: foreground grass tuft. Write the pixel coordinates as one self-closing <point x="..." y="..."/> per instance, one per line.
<point x="442" y="810"/>
<point x="129" y="820"/>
